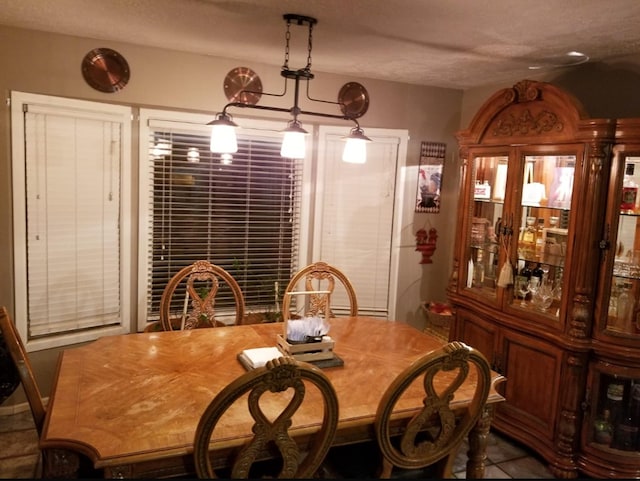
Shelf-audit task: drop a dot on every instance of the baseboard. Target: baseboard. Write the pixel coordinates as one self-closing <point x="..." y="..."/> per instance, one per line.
<point x="18" y="408"/>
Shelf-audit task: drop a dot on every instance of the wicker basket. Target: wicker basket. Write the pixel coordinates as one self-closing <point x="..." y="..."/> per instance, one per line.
<point x="434" y="319"/>
<point x="437" y="323"/>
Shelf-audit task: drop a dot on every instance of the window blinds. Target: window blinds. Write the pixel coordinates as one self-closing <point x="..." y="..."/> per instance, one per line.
<point x="354" y="217"/>
<point x="243" y="216"/>
<point x="73" y="219"/>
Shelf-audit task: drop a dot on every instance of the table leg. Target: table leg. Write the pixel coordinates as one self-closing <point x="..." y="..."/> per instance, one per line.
<point x="477" y="453"/>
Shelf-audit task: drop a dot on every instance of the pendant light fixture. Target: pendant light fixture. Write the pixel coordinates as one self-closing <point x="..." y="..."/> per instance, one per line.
<point x="244" y="90"/>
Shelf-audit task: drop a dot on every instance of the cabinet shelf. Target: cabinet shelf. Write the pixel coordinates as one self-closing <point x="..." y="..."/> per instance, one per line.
<point x="630" y="213"/>
<point x="548" y="259"/>
<point x="489" y="201"/>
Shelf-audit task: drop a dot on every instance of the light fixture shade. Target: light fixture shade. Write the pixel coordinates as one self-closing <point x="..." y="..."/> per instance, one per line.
<point x="355" y="149"/>
<point x="193" y="155"/>
<point x="293" y="143"/>
<point x="223" y="135"/>
<point x="161" y="148"/>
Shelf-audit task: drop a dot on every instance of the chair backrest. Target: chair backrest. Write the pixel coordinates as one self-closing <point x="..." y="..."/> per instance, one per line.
<point x="432" y="437"/>
<point x="188" y="298"/>
<point x="23" y="365"/>
<point x="278" y="375"/>
<point x="324" y="276"/>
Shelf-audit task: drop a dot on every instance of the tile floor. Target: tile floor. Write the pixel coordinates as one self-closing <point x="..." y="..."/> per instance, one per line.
<point x="506" y="459"/>
<point x="19" y="457"/>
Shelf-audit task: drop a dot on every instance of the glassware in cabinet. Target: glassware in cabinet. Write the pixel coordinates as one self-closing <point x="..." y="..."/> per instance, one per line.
<point x="623" y="315"/>
<point x="614" y="416"/>
<point x="488" y="195"/>
<point x="542" y="236"/>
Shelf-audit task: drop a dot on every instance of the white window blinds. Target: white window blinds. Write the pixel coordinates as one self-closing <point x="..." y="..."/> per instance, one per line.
<point x="243" y="216"/>
<point x="72" y="201"/>
<point x="354" y="219"/>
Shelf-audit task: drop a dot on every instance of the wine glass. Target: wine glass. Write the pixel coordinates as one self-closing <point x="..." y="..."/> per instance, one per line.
<point x="544" y="296"/>
<point x="523" y="287"/>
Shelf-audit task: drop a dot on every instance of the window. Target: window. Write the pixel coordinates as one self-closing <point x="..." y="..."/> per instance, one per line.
<point x="358" y="217"/>
<point x="70" y="219"/>
<point x="243" y="215"/>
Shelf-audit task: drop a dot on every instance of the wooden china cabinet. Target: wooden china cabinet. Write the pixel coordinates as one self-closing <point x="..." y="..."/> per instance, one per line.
<point x="535" y="231"/>
<point x="609" y="441"/>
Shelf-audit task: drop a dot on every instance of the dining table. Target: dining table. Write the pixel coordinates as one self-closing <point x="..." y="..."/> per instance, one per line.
<point x="130" y="403"/>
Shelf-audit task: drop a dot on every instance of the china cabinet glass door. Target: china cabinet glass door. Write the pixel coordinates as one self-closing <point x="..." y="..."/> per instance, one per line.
<point x="614" y="416"/>
<point x="529" y="229"/>
<point x="541" y="232"/>
<point x="622" y="318"/>
<point x="488" y="196"/>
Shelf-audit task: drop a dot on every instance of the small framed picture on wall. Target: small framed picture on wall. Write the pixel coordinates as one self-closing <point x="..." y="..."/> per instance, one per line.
<point x="430" y="176"/>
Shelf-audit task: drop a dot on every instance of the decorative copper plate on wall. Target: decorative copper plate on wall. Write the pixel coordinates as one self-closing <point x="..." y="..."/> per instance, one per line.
<point x="353" y="99"/>
<point x="243" y="85"/>
<point x="105" y="70"/>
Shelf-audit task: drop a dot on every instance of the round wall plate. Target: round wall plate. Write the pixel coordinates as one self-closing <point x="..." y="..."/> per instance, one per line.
<point x="105" y="70"/>
<point x="353" y="99"/>
<point x="243" y="85"/>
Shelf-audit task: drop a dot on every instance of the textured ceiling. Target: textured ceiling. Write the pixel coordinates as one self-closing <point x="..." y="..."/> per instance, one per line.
<point x="447" y="43"/>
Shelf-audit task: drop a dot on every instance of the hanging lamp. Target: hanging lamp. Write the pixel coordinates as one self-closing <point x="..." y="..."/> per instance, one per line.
<point x="245" y="90"/>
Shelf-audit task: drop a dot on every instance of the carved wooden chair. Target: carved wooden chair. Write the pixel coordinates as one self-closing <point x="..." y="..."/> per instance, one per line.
<point x="270" y="435"/>
<point x="188" y="298"/>
<point x="433" y="436"/>
<point x="22" y="364"/>
<point x="426" y="444"/>
<point x="319" y="284"/>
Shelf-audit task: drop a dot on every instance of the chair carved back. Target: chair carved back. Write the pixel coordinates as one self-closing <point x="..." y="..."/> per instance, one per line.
<point x="198" y="306"/>
<point x="278" y="375"/>
<point x="319" y="300"/>
<point x="22" y="364"/>
<point x="433" y="435"/>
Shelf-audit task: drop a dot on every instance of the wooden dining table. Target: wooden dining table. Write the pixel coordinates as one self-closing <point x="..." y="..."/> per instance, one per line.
<point x="131" y="403"/>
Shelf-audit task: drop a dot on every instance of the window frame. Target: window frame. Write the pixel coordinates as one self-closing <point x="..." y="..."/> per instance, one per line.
<point x="400" y="138"/>
<point x="248" y="126"/>
<point x="20" y="248"/>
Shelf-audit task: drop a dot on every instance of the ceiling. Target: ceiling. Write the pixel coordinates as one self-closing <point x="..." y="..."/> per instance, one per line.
<point x="446" y="43"/>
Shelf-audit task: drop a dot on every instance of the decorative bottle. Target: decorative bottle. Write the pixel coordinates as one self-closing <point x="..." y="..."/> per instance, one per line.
<point x="602" y="429"/>
<point x="478" y="270"/>
<point x="624" y="308"/>
<point x="540" y="238"/>
<point x="537" y="273"/>
<point x="615" y="393"/>
<point x="526" y="271"/>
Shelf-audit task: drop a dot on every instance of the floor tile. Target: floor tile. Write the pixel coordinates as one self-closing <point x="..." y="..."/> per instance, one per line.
<point x="490" y="472"/>
<point x="527" y="467"/>
<point x="460" y="461"/>
<point x="16" y="422"/>
<point x="18" y="443"/>
<point x="21" y="467"/>
<point x="500" y="448"/>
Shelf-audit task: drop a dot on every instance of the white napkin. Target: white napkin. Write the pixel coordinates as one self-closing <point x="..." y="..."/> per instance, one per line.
<point x="258" y="356"/>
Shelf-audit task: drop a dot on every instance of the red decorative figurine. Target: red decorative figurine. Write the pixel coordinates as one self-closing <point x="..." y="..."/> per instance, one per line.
<point x="426" y="243"/>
